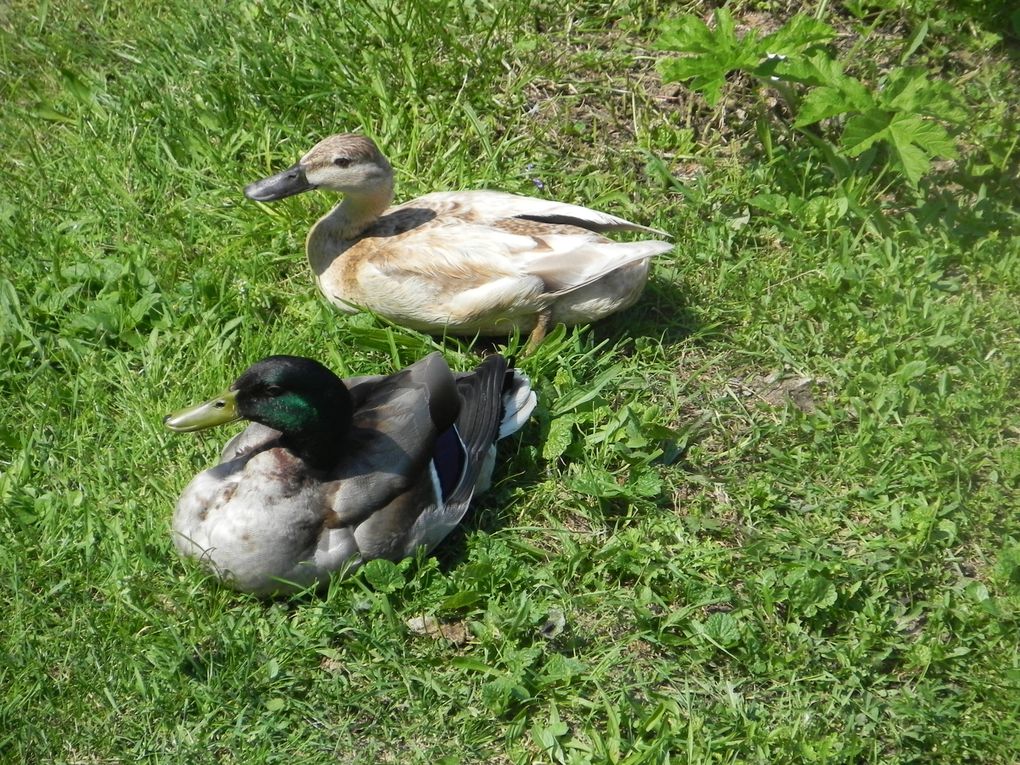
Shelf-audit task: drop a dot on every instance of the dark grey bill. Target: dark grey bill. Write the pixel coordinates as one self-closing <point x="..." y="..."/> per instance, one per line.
<point x="286" y="184"/>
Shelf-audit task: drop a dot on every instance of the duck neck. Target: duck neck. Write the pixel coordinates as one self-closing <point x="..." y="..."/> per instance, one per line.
<point x="314" y="425"/>
<point x="359" y="211"/>
<point x="323" y="445"/>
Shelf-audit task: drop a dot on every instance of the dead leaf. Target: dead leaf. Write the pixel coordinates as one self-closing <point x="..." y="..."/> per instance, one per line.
<point x="455" y="632"/>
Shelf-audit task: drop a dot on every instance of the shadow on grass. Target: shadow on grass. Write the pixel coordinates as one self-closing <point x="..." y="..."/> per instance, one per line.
<point x="486" y="514"/>
<point x="994" y="208"/>
<point x="664" y="312"/>
<point x="999" y="17"/>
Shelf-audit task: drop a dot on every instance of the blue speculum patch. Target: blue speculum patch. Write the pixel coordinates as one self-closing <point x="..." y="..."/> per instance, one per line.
<point x="449" y="459"/>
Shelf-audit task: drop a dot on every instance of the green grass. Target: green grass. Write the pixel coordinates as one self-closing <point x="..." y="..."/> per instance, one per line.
<point x="746" y="572"/>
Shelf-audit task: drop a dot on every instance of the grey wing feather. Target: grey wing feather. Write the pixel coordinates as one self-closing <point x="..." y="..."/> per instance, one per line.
<point x="396" y="422"/>
<point x="255" y="437"/>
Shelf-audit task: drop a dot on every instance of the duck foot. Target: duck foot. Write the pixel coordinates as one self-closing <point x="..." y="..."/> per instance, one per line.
<point x="538" y="333"/>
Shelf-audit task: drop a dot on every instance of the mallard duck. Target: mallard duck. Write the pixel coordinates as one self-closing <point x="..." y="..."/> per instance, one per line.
<point x="331" y="473"/>
<point x="462" y="262"/>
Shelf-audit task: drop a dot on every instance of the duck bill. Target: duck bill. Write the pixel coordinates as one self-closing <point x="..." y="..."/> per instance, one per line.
<point x="217" y="411"/>
<point x="286" y="184"/>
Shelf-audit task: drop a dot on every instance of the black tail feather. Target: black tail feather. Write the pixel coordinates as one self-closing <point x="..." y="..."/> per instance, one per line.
<point x="481" y="412"/>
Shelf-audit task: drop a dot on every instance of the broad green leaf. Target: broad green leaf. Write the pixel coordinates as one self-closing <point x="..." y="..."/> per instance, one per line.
<point x="856" y="94"/>
<point x="977" y="590"/>
<point x="636" y="438"/>
<point x="708" y="76"/>
<point x="946" y="530"/>
<point x="913" y="90"/>
<point x="862" y="131"/>
<point x="474" y="665"/>
<point x="714" y="52"/>
<point x="547" y="738"/>
<point x="498" y="694"/>
<point x="910" y="370"/>
<point x="646" y="484"/>
<point x="725" y="30"/>
<point x="687" y="34"/>
<point x="722" y="628"/>
<point x="773" y="203"/>
<point x="943" y="341"/>
<point x="583" y="395"/>
<point x="52" y="115"/>
<point x="460" y="600"/>
<point x="927" y="134"/>
<point x="559" y="668"/>
<point x="915" y="141"/>
<point x="602" y="484"/>
<point x="561" y="435"/>
<point x="712" y="88"/>
<point x="1008" y="566"/>
<point x="820" y="104"/>
<point x="905" y="90"/>
<point x="797" y="35"/>
<point x="912" y="139"/>
<point x="383" y="575"/>
<point x="141" y="307"/>
<point x="596" y="483"/>
<point x="817" y="69"/>
<point x="817" y="594"/>
<point x="679" y="69"/>
<point x="821" y="208"/>
<point x="912" y="160"/>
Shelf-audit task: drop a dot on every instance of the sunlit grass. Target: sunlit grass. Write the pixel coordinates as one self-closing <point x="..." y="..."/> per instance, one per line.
<point x="775" y="503"/>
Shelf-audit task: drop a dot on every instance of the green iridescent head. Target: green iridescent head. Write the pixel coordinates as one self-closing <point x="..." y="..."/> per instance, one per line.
<point x="299" y="397"/>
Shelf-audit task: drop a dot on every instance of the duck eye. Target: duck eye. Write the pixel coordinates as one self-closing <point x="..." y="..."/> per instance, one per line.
<point x="274" y="390"/>
<point x="342" y="161"/>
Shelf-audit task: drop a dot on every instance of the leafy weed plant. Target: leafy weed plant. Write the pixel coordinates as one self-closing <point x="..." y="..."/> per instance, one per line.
<point x="902" y="112"/>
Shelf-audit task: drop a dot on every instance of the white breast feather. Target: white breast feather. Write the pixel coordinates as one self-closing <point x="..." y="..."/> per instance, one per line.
<point x="252" y="528"/>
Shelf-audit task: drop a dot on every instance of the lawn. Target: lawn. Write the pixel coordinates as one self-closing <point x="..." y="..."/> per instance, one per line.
<point x="769" y="514"/>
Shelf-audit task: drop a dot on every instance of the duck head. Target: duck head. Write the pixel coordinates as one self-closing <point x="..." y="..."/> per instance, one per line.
<point x="346" y="163"/>
<point x="299" y="397"/>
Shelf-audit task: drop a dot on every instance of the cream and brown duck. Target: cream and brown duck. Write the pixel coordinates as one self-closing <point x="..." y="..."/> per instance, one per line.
<point x="331" y="473"/>
<point x="460" y="262"/>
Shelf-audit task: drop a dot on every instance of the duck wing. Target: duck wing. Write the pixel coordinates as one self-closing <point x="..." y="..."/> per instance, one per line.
<point x="456" y="271"/>
<point x="396" y="422"/>
<point x="478" y="425"/>
<point x="255" y="438"/>
<point x="495" y="402"/>
<point x="412" y="479"/>
<point x="575" y="261"/>
<point x="488" y="206"/>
